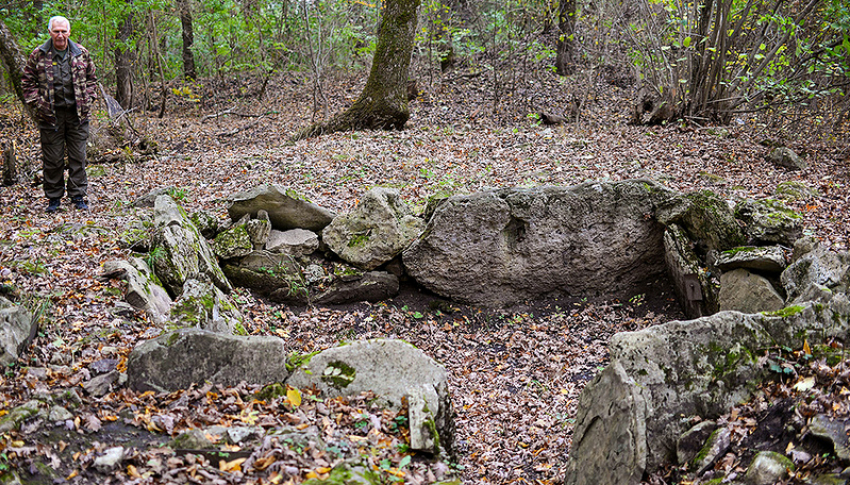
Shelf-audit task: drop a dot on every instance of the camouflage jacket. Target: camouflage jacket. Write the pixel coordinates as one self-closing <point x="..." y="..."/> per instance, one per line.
<point x="37" y="81"/>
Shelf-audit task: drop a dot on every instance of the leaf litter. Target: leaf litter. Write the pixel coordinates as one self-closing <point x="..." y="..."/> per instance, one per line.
<point x="515" y="374"/>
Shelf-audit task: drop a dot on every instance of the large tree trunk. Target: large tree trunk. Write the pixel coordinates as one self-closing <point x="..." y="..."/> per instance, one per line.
<point x="124" y="63"/>
<point x="189" y="72"/>
<point x="14" y="61"/>
<point x="564" y="62"/>
<point x="383" y="103"/>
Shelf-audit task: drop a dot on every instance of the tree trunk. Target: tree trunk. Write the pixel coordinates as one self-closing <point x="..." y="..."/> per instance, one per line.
<point x="10" y="166"/>
<point x="124" y="63"/>
<point x="383" y="103"/>
<point x="564" y="62"/>
<point x="14" y="61"/>
<point x="189" y="72"/>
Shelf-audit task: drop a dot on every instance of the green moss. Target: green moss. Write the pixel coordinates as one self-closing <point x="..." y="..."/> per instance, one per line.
<point x="339" y="374"/>
<point x="741" y="249"/>
<point x="172" y="339"/>
<point x="239" y="329"/>
<point x="358" y="240"/>
<point x="296" y="360"/>
<point x="271" y="391"/>
<point x="431" y="426"/>
<point x="785" y="312"/>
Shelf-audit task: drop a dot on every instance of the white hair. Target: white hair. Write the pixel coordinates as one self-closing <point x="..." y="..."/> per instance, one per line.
<point x="54" y="19"/>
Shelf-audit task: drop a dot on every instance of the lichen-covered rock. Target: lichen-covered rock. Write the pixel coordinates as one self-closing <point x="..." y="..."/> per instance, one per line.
<point x="178" y="359"/>
<point x="692" y="441"/>
<point x="769" y="222"/>
<point x="206" y="223"/>
<point x="786" y="157"/>
<point x="681" y="369"/>
<point x="767" y="468"/>
<point x="372" y="286"/>
<point x="143" y="290"/>
<point x="394" y="370"/>
<point x="707" y="219"/>
<point x="178" y="251"/>
<point x="234" y="242"/>
<point x="794" y="190"/>
<point x="717" y="444"/>
<point x="266" y="272"/>
<point x="286" y="208"/>
<point x="202" y="305"/>
<point x="747" y="292"/>
<point x="816" y="270"/>
<point x="503" y="246"/>
<point x="17" y="331"/>
<point x="375" y="231"/>
<point x="770" y="259"/>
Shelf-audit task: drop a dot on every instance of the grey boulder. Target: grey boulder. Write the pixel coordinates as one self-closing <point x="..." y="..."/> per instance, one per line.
<point x="285" y="207"/>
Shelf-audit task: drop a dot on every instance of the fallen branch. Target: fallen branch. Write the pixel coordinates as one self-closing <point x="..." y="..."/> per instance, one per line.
<point x="231" y="112"/>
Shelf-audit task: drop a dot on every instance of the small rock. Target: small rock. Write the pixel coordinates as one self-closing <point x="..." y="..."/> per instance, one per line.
<point x="785" y="157"/>
<point x="103" y="366"/>
<point x="767" y="468"/>
<point x="193" y="439"/>
<point x="59" y="413"/>
<point x="716" y="445"/>
<point x="110" y="460"/>
<point x="100" y="385"/>
<point x="693" y="440"/>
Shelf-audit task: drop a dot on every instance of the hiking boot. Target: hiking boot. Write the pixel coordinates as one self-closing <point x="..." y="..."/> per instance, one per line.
<point x="53" y="205"/>
<point x="79" y="203"/>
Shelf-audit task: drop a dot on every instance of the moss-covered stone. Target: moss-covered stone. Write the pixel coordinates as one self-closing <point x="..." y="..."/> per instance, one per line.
<point x="339" y="374"/>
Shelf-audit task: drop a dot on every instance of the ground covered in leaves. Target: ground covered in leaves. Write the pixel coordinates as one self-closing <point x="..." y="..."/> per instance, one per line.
<point x="515" y="374"/>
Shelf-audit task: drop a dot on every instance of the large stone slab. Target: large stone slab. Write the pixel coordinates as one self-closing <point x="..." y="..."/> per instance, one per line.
<point x="393" y="370"/>
<point x="178" y="359"/>
<point x="286" y="208"/>
<point x="679" y="370"/>
<point x="508" y="245"/>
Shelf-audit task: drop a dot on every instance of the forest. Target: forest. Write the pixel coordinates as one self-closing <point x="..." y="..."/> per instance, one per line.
<point x="331" y="98"/>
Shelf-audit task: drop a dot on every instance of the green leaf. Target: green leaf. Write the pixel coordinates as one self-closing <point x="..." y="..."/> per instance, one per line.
<point x="404" y="461"/>
<point x="686" y="42"/>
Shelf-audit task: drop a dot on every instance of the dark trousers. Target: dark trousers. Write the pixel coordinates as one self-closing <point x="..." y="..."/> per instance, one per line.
<point x="71" y="134"/>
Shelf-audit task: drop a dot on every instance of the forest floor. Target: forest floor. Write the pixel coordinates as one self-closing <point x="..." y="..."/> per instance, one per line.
<point x="515" y="374"/>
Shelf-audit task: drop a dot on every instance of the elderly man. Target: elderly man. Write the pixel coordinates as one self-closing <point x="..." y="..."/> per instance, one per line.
<point x="59" y="83"/>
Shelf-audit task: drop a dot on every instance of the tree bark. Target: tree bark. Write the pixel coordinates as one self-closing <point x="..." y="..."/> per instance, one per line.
<point x="383" y="103"/>
<point x="189" y="72"/>
<point x="564" y="62"/>
<point x="124" y="62"/>
<point x="14" y="61"/>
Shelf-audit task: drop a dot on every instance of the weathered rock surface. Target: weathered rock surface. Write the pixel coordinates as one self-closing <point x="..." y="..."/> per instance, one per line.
<point x="747" y="292"/>
<point x="693" y="284"/>
<point x="766" y="258"/>
<point x="204" y="306"/>
<point x="816" y="271"/>
<point x="717" y="444"/>
<point x="178" y="359"/>
<point x="786" y="157"/>
<point x="768" y="468"/>
<point x="259" y="229"/>
<point x="297" y="242"/>
<point x="143" y="293"/>
<point x="373" y="286"/>
<point x="17" y="331"/>
<point x="693" y="440"/>
<point x="707" y="219"/>
<point x="393" y="370"/>
<point x="769" y="222"/>
<point x="834" y="431"/>
<point x="286" y="208"/>
<point x="794" y="190"/>
<point x="264" y="271"/>
<point x="682" y="369"/>
<point x="375" y="231"/>
<point x="235" y="242"/>
<point x="508" y="245"/>
<point x="179" y="252"/>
